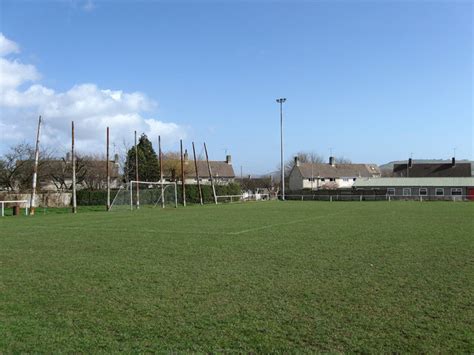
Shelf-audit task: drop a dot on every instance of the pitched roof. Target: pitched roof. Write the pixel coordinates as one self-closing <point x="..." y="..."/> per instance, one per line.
<point x="433" y="170"/>
<point x="339" y="170"/>
<point x="413" y="181"/>
<point x="219" y="169"/>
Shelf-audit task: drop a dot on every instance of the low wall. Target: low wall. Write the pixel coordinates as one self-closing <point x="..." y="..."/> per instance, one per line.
<point x="47" y="199"/>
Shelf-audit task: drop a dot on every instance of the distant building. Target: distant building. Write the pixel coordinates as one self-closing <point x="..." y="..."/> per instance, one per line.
<point x="439" y="187"/>
<point x="451" y="169"/>
<point x="222" y="171"/>
<point x="317" y="176"/>
<point x="428" y="168"/>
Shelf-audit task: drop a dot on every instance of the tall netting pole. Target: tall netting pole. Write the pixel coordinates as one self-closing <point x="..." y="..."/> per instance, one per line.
<point x="161" y="173"/>
<point x="197" y="175"/>
<point x="136" y="172"/>
<point x="210" y="175"/>
<point x="183" y="185"/>
<point x="73" y="157"/>
<point x="107" y="161"/>
<point x="35" y="169"/>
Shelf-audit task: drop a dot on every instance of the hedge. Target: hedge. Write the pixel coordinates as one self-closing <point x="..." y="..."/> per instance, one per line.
<point x="99" y="197"/>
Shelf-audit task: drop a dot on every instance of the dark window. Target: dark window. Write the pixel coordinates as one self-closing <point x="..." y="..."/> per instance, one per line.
<point x="456" y="191"/>
<point x="423" y="191"/>
<point x="391" y="191"/>
<point x="439" y="191"/>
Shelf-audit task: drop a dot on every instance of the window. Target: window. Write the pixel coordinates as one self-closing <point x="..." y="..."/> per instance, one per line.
<point x="332" y="179"/>
<point x="354" y="179"/>
<point x="456" y="191"/>
<point x="439" y="191"/>
<point x="323" y="179"/>
<point x="406" y="191"/>
<point x="391" y="191"/>
<point x="423" y="191"/>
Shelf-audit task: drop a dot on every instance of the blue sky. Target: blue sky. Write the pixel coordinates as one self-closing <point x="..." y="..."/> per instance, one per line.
<point x="374" y="81"/>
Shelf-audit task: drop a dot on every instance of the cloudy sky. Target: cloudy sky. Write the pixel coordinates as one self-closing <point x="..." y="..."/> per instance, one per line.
<point x="371" y="81"/>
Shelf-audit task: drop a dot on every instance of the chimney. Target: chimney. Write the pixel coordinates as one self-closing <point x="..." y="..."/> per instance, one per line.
<point x="68" y="156"/>
<point x="332" y="161"/>
<point x="186" y="157"/>
<point x="453" y="162"/>
<point x="297" y="161"/>
<point x="228" y="159"/>
<point x="116" y="158"/>
<point x="410" y="162"/>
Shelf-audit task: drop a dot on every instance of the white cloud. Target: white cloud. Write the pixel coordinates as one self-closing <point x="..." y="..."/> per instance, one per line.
<point x="7" y="46"/>
<point x="91" y="108"/>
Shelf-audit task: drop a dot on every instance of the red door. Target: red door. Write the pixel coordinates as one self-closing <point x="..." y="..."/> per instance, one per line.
<point x="470" y="193"/>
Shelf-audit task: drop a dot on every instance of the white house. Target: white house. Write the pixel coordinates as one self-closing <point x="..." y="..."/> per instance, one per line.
<point x="317" y="176"/>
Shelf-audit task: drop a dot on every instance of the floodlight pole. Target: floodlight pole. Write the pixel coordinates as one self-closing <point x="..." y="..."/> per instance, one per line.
<point x="281" y="101"/>
<point x="73" y="157"/>
<point x="136" y="172"/>
<point x="35" y="169"/>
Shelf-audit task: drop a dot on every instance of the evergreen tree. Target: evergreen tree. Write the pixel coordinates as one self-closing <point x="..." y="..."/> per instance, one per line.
<point x="148" y="167"/>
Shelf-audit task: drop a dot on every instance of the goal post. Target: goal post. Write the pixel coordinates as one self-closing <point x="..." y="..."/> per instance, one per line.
<point x="151" y="194"/>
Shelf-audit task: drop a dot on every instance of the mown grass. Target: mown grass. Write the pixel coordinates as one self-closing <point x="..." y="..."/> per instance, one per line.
<point x="256" y="277"/>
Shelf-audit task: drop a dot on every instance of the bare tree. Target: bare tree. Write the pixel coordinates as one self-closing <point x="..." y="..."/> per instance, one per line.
<point x="343" y="160"/>
<point x="172" y="166"/>
<point x="16" y="167"/>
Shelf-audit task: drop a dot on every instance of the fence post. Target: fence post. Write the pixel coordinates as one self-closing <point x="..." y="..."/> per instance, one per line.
<point x="360" y="198"/>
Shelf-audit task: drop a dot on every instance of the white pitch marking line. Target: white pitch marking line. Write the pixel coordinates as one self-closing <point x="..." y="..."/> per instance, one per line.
<point x="280" y="224"/>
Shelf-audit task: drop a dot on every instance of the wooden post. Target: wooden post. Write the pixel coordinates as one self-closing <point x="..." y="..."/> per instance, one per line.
<point x="35" y="169"/>
<point x="73" y="157"/>
<point x="210" y="175"/>
<point x="197" y="176"/>
<point x="108" y="170"/>
<point x="160" y="153"/>
<point x="183" y="185"/>
<point x="136" y="173"/>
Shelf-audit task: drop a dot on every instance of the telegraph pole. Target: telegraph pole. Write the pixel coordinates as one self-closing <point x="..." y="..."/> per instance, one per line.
<point x="197" y="175"/>
<point x="108" y="171"/>
<point x="35" y="169"/>
<point x="183" y="185"/>
<point x="73" y="157"/>
<point x="281" y="101"/>
<point x="136" y="172"/>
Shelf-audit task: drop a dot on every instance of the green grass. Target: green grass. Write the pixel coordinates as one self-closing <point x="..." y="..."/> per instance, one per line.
<point x="260" y="277"/>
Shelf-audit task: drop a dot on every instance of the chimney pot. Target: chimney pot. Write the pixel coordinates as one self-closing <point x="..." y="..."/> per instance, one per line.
<point x="332" y="161"/>
<point x="297" y="161"/>
<point x="453" y="162"/>
<point x="410" y="162"/>
<point x="228" y="159"/>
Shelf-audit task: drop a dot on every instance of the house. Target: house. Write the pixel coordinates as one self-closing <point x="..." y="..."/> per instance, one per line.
<point x="222" y="171"/>
<point x="443" y="169"/>
<point x="428" y="168"/>
<point x="433" y="187"/>
<point x="317" y="176"/>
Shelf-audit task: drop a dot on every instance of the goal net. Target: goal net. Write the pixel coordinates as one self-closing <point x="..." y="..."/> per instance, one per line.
<point x="138" y="194"/>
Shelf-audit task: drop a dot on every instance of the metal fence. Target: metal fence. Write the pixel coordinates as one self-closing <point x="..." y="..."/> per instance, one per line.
<point x="365" y="197"/>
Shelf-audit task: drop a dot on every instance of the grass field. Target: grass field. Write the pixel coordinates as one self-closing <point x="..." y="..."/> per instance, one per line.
<point x="269" y="276"/>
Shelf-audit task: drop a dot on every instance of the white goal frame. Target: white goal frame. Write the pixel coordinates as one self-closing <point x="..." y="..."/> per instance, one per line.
<point x="164" y="184"/>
